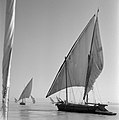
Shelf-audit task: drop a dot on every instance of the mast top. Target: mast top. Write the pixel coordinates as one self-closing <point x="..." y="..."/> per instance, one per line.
<point x="97" y="12"/>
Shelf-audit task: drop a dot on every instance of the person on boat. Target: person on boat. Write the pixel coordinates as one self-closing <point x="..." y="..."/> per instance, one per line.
<point x="59" y="100"/>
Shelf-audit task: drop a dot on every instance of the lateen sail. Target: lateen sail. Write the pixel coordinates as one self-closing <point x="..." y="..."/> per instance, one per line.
<point x="96" y="59"/>
<point x="7" y="53"/>
<point x="27" y="91"/>
<point x="77" y="62"/>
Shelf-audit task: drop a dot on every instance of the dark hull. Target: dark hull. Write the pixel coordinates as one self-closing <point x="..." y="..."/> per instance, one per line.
<point x="22" y="103"/>
<point x="95" y="109"/>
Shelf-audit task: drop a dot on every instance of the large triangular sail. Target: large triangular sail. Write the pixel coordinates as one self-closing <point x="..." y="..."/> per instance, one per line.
<point x="77" y="62"/>
<point x="95" y="64"/>
<point x="7" y="53"/>
<point x="27" y="91"/>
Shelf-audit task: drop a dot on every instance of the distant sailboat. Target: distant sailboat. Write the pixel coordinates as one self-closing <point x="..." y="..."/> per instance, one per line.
<point x="81" y="68"/>
<point x="26" y="92"/>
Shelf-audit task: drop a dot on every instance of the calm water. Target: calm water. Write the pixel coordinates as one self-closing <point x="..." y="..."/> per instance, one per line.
<point x="43" y="110"/>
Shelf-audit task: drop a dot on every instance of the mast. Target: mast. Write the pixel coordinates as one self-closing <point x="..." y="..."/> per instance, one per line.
<point x="87" y="98"/>
<point x="89" y="66"/>
<point x="66" y="80"/>
<point x="95" y="58"/>
<point x="87" y="77"/>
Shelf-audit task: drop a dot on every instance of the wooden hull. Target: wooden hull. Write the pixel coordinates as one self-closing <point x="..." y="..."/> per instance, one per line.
<point x="22" y="103"/>
<point x="95" y="109"/>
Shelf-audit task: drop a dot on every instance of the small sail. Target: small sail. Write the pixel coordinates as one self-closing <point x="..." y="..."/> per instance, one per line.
<point x="7" y="53"/>
<point x="27" y="91"/>
<point x="15" y="100"/>
<point x="33" y="99"/>
<point x="77" y="62"/>
<point x="96" y="58"/>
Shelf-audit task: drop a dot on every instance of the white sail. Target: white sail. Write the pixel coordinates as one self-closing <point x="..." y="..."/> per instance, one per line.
<point x="7" y="53"/>
<point x="77" y="62"/>
<point x="27" y="91"/>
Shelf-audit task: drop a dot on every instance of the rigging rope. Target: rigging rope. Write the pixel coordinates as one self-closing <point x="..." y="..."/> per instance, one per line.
<point x="93" y="95"/>
<point x="71" y="87"/>
<point x="98" y="93"/>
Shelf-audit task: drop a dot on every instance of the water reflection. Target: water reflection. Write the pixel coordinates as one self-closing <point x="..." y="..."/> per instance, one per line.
<point x="40" y="111"/>
<point x="24" y="113"/>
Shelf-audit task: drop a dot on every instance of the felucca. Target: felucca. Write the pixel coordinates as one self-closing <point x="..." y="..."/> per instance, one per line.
<point x="26" y="93"/>
<point x="81" y="67"/>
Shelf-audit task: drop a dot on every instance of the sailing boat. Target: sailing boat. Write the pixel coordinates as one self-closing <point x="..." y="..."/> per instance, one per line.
<point x="26" y="92"/>
<point x="81" y="68"/>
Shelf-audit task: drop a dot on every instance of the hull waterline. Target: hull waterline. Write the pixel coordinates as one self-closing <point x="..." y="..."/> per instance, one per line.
<point x="79" y="108"/>
<point x="22" y="103"/>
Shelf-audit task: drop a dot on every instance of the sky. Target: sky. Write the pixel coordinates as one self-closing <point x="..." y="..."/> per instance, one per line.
<point x="45" y="30"/>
